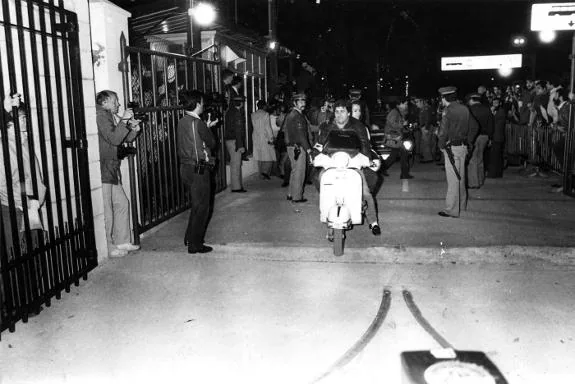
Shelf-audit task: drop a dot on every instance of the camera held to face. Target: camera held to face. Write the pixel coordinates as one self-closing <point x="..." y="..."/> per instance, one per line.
<point x="138" y="115"/>
<point x="125" y="150"/>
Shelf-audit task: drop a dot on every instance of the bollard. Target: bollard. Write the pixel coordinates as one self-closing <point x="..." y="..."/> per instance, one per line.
<point x="404" y="185"/>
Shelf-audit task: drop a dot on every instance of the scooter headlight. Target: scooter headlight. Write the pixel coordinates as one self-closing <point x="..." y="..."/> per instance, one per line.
<point x="340" y="159"/>
<point x="408" y="145"/>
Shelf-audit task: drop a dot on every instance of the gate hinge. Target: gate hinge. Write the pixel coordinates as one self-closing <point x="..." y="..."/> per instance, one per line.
<point x="78" y="143"/>
<point x="123" y="66"/>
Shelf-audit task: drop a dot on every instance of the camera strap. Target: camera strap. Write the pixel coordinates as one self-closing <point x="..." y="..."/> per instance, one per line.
<point x="195" y="141"/>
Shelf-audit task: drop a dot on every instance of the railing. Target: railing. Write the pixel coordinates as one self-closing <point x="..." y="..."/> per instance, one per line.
<point x="39" y="58"/>
<point x="534" y="145"/>
<point x="153" y="80"/>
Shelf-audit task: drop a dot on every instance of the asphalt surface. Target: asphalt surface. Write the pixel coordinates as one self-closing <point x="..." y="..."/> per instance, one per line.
<point x="271" y="304"/>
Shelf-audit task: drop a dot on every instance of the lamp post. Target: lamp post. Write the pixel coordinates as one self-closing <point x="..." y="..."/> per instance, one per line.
<point x="201" y="14"/>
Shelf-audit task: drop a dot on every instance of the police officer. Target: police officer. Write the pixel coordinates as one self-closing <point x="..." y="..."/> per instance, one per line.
<point x="458" y="128"/>
<point x="298" y="147"/>
<point x="234" y="136"/>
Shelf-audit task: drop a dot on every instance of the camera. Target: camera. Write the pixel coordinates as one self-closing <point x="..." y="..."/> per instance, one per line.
<point x="138" y="115"/>
<point x="201" y="167"/>
<point x="125" y="150"/>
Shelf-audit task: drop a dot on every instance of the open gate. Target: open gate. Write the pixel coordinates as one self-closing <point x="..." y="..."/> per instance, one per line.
<point x="153" y="80"/>
<point x="40" y="59"/>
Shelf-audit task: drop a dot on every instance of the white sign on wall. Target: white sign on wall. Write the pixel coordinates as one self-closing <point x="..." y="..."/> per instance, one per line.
<point x="466" y="63"/>
<point x="553" y="17"/>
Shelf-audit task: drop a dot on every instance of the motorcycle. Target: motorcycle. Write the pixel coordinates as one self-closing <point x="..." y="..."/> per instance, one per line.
<point x="341" y="185"/>
<point x="387" y="145"/>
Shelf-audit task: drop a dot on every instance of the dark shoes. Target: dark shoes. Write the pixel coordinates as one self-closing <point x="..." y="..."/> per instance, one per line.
<point x="265" y="176"/>
<point x="199" y="249"/>
<point x="375" y="229"/>
<point x="284" y="184"/>
<point x="239" y="190"/>
<point x="289" y="198"/>
<point x="445" y="214"/>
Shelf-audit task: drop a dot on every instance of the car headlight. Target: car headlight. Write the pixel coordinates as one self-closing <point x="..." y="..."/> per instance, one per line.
<point x="340" y="159"/>
<point x="408" y="145"/>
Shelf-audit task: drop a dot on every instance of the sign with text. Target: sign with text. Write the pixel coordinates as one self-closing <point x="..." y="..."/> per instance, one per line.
<point x="553" y="17"/>
<point x="467" y="63"/>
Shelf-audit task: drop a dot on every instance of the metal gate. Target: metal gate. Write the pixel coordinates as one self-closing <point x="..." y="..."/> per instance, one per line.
<point x="153" y="80"/>
<point x="47" y="249"/>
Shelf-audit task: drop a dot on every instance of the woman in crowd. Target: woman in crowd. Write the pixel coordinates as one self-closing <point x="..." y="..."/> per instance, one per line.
<point x="263" y="140"/>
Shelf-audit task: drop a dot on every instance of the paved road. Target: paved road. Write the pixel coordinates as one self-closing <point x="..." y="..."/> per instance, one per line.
<point x="170" y="317"/>
<point x="271" y="303"/>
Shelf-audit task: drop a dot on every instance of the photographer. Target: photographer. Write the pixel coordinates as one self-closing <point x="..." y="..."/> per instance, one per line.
<point x="195" y="142"/>
<point x="113" y="131"/>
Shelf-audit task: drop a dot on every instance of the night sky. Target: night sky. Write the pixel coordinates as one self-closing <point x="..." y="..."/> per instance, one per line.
<point x="346" y="40"/>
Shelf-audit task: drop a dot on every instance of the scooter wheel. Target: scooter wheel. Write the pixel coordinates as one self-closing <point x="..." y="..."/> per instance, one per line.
<point x="338" y="242"/>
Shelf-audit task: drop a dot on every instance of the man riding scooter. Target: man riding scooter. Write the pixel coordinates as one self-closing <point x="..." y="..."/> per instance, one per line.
<point x="343" y="121"/>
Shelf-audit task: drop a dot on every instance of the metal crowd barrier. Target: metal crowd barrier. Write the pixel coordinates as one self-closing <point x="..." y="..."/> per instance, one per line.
<point x="533" y="145"/>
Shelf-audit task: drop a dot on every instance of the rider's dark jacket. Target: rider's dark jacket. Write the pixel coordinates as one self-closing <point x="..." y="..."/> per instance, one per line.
<point x="353" y="125"/>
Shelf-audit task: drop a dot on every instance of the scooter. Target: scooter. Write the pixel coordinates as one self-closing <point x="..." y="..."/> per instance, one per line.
<point x="340" y="195"/>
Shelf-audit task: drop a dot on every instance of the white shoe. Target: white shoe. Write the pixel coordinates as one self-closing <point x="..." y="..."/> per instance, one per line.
<point x="128" y="247"/>
<point x="118" y="253"/>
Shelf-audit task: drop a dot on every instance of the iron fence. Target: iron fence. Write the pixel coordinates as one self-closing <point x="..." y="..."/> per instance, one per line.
<point x="153" y="80"/>
<point x="46" y="223"/>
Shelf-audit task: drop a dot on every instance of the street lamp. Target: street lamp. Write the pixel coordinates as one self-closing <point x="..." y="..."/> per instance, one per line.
<point x="273" y="45"/>
<point x="547" y="36"/>
<point x="505" y="72"/>
<point x="203" y="13"/>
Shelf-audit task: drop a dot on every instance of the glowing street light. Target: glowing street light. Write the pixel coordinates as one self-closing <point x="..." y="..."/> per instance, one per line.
<point x="519" y="41"/>
<point x="547" y="36"/>
<point x="203" y="13"/>
<point x="273" y="45"/>
<point x="505" y="72"/>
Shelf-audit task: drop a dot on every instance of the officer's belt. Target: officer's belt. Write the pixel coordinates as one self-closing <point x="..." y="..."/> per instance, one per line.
<point x="457" y="143"/>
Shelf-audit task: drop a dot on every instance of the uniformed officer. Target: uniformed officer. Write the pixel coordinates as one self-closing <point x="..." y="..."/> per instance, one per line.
<point x="234" y="136"/>
<point x="457" y="130"/>
<point x="298" y="147"/>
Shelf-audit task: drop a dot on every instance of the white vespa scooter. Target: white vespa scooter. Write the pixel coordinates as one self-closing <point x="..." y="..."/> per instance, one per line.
<point x="340" y="195"/>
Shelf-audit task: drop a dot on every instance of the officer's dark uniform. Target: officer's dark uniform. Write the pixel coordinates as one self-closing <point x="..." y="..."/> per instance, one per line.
<point x="476" y="166"/>
<point x="234" y="136"/>
<point x="297" y="140"/>
<point x="458" y="129"/>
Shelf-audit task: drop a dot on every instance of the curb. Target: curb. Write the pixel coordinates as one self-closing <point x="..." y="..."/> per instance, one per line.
<point x="513" y="255"/>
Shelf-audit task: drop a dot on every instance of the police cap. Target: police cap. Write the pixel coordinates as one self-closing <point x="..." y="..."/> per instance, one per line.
<point x="239" y="98"/>
<point x="447" y="90"/>
<point x="298" y="96"/>
<point x="355" y="92"/>
<point x="475" y="95"/>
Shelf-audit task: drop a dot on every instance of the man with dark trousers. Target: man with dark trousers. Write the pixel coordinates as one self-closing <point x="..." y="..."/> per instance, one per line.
<point x="343" y="121"/>
<point x="195" y="142"/>
<point x="483" y="116"/>
<point x="457" y="130"/>
<point x="298" y="147"/>
<point x="234" y="136"/>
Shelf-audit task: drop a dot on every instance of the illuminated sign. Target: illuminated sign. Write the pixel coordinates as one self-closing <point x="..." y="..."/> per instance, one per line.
<point x="553" y="17"/>
<point x="467" y="63"/>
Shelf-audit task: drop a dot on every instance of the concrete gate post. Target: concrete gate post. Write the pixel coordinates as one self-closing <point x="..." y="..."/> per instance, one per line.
<point x="107" y="23"/>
